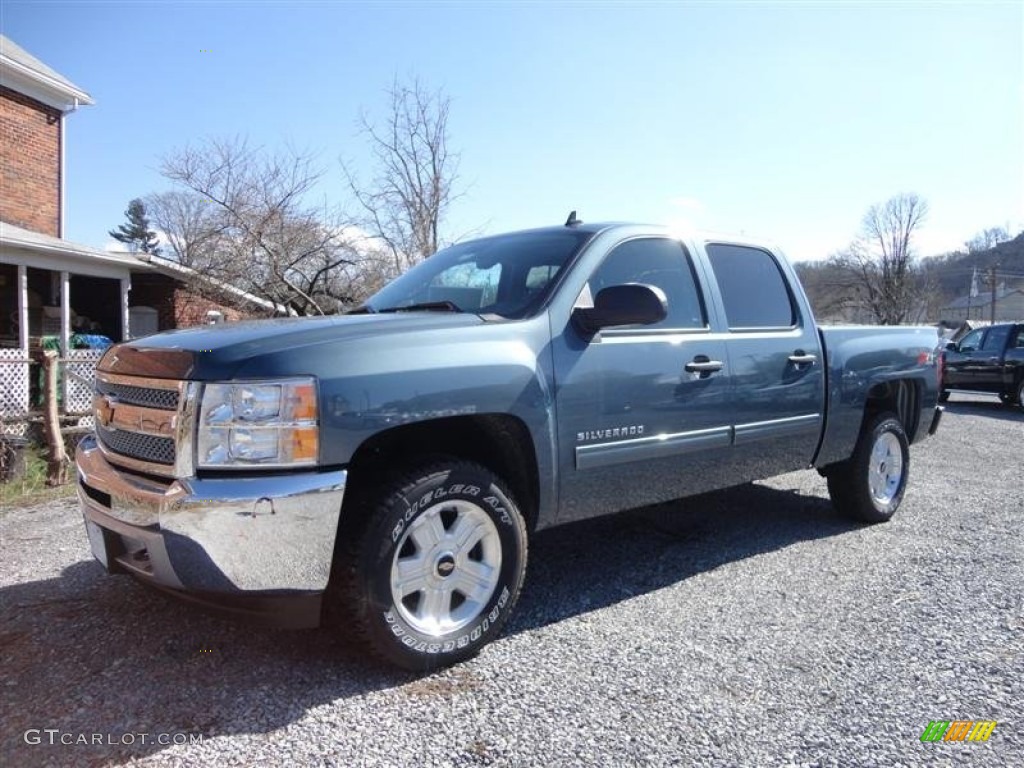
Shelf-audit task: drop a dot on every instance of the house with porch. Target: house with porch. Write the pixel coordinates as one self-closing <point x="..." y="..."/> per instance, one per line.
<point x="51" y="291"/>
<point x="56" y="294"/>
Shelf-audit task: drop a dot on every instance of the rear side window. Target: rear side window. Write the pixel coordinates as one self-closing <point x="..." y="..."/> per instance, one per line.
<point x="753" y="288"/>
<point x="995" y="341"/>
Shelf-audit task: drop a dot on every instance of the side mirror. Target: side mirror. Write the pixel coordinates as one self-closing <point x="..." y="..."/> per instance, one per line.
<point x="630" y="304"/>
<point x="951" y="346"/>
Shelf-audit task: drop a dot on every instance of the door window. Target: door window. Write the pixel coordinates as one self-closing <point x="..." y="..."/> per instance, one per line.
<point x="995" y="341"/>
<point x="662" y="263"/>
<point x="753" y="288"/>
<point x="971" y="341"/>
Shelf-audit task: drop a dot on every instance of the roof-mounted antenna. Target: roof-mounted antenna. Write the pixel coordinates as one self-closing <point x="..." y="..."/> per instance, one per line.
<point x="572" y="221"/>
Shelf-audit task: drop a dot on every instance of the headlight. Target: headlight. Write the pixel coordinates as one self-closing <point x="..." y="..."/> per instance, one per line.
<point x="258" y="423"/>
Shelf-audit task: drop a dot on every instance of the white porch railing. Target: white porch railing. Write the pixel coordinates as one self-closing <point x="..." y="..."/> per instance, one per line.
<point x="14" y="392"/>
<point x="79" y="368"/>
<point x="77" y="372"/>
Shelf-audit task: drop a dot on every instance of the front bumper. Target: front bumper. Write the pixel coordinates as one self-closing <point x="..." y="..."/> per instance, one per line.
<point x="260" y="546"/>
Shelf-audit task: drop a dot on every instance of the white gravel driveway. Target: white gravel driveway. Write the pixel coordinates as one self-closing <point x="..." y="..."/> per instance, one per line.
<point x="751" y="627"/>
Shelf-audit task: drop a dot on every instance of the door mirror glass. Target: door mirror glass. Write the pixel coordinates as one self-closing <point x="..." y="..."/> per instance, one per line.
<point x="630" y="304"/>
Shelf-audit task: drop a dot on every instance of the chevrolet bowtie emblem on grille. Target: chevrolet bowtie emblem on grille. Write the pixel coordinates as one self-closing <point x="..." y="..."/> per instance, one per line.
<point x="104" y="407"/>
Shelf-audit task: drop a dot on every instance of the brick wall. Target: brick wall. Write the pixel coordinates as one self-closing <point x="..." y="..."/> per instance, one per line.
<point x="29" y="163"/>
<point x="176" y="306"/>
<point x="156" y="291"/>
<point x="190" y="309"/>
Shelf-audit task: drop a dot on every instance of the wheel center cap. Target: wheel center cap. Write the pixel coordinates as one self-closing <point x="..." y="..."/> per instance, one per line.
<point x="445" y="566"/>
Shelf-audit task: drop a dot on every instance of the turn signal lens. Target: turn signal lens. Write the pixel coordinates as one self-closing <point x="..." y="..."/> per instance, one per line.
<point x="304" y="443"/>
<point x="303" y="402"/>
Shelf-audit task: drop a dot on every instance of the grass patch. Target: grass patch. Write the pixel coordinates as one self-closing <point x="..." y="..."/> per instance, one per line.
<point x="31" y="487"/>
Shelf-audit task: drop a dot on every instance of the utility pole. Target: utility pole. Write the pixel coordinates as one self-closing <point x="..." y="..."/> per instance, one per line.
<point x="992" y="285"/>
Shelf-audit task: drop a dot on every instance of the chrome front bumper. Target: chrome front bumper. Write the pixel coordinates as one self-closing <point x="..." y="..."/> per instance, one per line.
<point x="227" y="536"/>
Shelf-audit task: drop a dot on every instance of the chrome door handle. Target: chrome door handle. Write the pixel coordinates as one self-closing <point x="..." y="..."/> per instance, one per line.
<point x="704" y="366"/>
<point x="802" y="359"/>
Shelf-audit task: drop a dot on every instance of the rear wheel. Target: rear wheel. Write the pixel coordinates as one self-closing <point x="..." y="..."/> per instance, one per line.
<point x="943" y="395"/>
<point x="1014" y="396"/>
<point x="869" y="486"/>
<point x="431" y="572"/>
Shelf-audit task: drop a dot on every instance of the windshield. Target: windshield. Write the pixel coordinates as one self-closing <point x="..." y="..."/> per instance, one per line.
<point x="507" y="275"/>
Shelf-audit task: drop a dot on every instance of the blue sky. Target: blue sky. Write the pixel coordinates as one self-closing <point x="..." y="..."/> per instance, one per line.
<point x="785" y="120"/>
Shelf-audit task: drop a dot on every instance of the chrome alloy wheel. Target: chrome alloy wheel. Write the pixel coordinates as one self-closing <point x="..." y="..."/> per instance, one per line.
<point x="885" y="469"/>
<point x="446" y="567"/>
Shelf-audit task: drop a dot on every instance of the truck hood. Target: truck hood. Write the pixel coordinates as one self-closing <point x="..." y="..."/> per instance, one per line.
<point x="216" y="351"/>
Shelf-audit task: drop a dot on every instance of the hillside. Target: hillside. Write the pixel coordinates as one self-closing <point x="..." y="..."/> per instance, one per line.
<point x="944" y="278"/>
<point x="952" y="272"/>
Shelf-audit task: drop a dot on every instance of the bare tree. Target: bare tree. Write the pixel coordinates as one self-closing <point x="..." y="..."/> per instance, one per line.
<point x="242" y="219"/>
<point x="404" y="203"/>
<point x="192" y="227"/>
<point x="880" y="260"/>
<point x="987" y="238"/>
<point x="830" y="288"/>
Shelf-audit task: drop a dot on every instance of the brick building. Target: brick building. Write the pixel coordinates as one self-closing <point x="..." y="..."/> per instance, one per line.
<point x="49" y="287"/>
<point x="59" y="294"/>
<point x="169" y="295"/>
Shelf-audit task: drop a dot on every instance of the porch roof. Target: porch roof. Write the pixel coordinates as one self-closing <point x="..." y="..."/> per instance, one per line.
<point x="33" y="249"/>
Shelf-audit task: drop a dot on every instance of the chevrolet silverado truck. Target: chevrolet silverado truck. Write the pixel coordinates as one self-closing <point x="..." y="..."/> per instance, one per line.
<point x="386" y="468"/>
<point x="987" y="360"/>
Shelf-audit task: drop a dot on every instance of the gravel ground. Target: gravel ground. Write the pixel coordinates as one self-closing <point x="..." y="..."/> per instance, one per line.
<point x="750" y="627"/>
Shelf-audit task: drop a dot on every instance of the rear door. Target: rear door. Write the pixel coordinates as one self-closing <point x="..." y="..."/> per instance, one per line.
<point x="775" y="361"/>
<point x="989" y="370"/>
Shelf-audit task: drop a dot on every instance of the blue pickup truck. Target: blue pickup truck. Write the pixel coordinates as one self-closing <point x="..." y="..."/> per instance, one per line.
<point x="387" y="467"/>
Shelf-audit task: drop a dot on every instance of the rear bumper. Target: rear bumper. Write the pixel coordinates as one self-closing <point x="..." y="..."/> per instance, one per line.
<point x="259" y="547"/>
<point x="939" y="410"/>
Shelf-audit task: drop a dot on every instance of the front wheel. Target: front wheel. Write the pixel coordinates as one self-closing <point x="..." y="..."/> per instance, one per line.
<point x="869" y="486"/>
<point x="431" y="572"/>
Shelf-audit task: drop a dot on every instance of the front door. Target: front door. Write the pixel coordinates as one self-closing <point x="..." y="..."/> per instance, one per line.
<point x="964" y="363"/>
<point x="643" y="412"/>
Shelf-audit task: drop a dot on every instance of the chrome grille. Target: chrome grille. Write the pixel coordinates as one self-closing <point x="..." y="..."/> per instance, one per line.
<point x="164" y="399"/>
<point x="142" y="423"/>
<point x="138" y="445"/>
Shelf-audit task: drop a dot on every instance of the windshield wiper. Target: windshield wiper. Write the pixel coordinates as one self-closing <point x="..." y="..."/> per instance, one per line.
<point x="426" y="306"/>
<point x="362" y="309"/>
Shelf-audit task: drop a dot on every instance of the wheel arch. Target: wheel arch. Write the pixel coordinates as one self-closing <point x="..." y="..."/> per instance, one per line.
<point x="901" y="397"/>
<point x="500" y="442"/>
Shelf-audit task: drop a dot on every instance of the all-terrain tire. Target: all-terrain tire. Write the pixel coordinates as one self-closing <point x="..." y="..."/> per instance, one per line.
<point x="870" y="485"/>
<point x="430" y="564"/>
